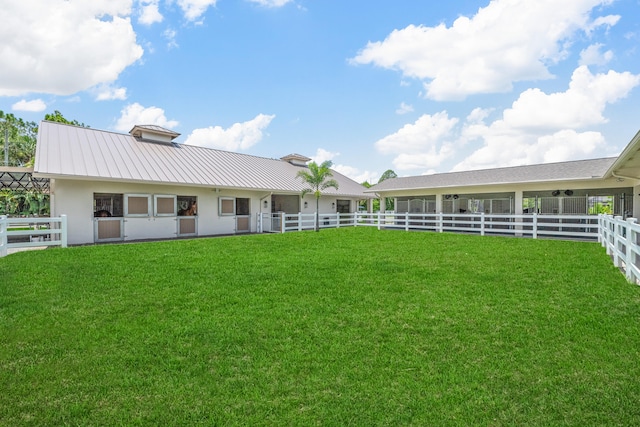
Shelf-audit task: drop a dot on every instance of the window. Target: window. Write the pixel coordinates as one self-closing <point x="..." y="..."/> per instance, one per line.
<point x="343" y="206"/>
<point x="234" y="206"/>
<point x="187" y="206"/>
<point x="137" y="205"/>
<point x="164" y="205"/>
<point x="226" y="206"/>
<point x="107" y="205"/>
<point x="242" y="206"/>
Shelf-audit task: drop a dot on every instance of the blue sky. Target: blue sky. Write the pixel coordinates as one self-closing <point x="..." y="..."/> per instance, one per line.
<point x="417" y="87"/>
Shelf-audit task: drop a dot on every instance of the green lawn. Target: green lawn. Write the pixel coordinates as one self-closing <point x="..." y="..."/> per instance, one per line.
<point x="343" y="327"/>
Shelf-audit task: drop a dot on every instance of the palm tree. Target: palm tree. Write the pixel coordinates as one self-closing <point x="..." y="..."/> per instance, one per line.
<point x="317" y="177"/>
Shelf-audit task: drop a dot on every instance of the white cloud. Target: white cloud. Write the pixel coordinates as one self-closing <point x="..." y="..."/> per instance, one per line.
<point x="404" y="108"/>
<point x="356" y="174"/>
<point x="606" y="21"/>
<point x="580" y="106"/>
<point x="565" y="145"/>
<point x="505" y="42"/>
<point x="149" y="12"/>
<point x="110" y="93"/>
<point x="271" y="3"/>
<point x="239" y="136"/>
<point x="540" y="127"/>
<point x="323" y="155"/>
<point x="63" y="47"/>
<point x="424" y="143"/>
<point x="170" y="34"/>
<point x="35" y="105"/>
<point x="194" y="9"/>
<point x="593" y="55"/>
<point x="136" y="114"/>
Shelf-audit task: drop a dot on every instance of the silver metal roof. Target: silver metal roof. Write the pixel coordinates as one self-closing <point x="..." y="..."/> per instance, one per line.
<point x="65" y="151"/>
<point x="564" y="171"/>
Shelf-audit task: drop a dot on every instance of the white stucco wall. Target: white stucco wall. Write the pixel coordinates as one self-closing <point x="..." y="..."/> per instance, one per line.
<point x="75" y="199"/>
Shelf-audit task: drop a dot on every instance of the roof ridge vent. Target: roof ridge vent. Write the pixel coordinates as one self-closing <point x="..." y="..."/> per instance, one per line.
<point x="153" y="133"/>
<point x="296" y="159"/>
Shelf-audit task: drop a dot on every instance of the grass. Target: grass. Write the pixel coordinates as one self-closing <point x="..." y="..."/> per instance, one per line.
<point x="343" y="327"/>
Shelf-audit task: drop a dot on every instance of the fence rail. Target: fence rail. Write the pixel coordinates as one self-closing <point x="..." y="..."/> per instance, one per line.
<point x="621" y="240"/>
<point x="619" y="237"/>
<point x="32" y="232"/>
<point x="528" y="225"/>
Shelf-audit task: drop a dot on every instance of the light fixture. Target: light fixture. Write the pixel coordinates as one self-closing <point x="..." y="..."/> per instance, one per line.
<point x="568" y="192"/>
<point x="447" y="196"/>
<point x="306" y="204"/>
<point x="455" y="196"/>
<point x="266" y="204"/>
<point x="555" y="193"/>
<point x="333" y="205"/>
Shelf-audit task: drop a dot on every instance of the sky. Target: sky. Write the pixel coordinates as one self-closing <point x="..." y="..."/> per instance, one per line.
<point x="414" y="86"/>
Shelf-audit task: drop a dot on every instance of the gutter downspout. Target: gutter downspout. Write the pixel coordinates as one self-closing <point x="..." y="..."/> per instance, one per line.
<point x="615" y="175"/>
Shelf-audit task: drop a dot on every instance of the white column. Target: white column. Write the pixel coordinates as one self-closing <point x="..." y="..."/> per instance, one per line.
<point x="636" y="201"/>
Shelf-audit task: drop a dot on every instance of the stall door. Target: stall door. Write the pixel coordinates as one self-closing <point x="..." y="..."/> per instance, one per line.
<point x="243" y="215"/>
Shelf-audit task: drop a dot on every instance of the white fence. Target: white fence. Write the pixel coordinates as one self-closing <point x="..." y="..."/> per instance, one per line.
<point x="529" y="225"/>
<point x="621" y="239"/>
<point x="32" y="232"/>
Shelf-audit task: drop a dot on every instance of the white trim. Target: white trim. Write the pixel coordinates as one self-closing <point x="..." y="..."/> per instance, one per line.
<point x="126" y="205"/>
<point x="165" y="196"/>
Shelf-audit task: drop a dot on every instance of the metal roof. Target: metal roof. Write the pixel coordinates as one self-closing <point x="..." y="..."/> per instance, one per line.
<point x="564" y="171"/>
<point x="65" y="151"/>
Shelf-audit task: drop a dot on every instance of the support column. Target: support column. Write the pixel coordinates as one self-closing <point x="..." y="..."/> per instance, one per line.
<point x="636" y="201"/>
<point x="439" y="203"/>
<point x="517" y="209"/>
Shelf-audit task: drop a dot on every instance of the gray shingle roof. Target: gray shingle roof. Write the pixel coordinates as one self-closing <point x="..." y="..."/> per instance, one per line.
<point x="564" y="171"/>
<point x="85" y="153"/>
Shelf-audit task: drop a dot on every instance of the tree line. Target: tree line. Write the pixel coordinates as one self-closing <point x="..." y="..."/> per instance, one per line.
<point x="21" y="136"/>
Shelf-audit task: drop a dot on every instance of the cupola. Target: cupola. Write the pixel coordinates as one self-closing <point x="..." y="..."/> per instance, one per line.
<point x="153" y="133"/>
<point x="296" y="159"/>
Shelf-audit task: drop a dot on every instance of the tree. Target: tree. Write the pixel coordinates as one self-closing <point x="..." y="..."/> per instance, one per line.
<point x="386" y="175"/>
<point x="21" y="136"/>
<point x="319" y="179"/>
<point x="57" y="116"/>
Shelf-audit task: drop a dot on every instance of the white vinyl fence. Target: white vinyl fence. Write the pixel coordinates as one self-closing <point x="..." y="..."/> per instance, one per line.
<point x="529" y="225"/>
<point x="32" y="232"/>
<point x="621" y="240"/>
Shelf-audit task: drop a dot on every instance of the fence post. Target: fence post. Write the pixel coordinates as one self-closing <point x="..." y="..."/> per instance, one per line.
<point x="482" y="223"/>
<point x="337" y="219"/>
<point x="379" y="220"/>
<point x="406" y="221"/>
<point x="600" y="228"/>
<point x="534" y="226"/>
<point x="3" y="236"/>
<point x="63" y="231"/>
<point x="616" y="241"/>
<point x="439" y="224"/>
<point x="631" y="250"/>
<point x="282" y="217"/>
<point x="299" y="221"/>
